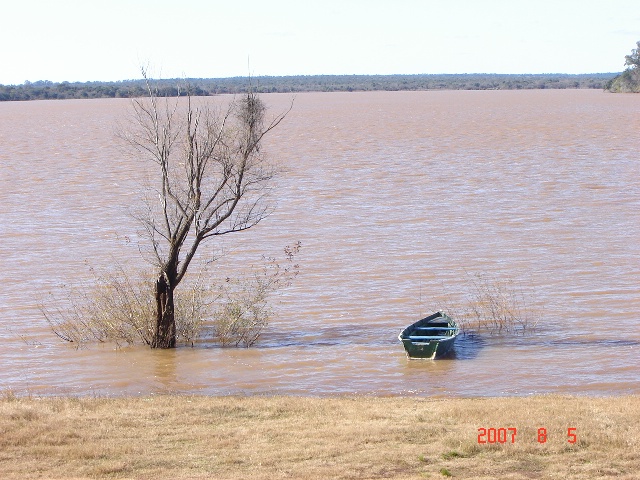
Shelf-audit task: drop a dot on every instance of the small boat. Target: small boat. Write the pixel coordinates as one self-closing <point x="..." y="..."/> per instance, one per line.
<point x="431" y="337"/>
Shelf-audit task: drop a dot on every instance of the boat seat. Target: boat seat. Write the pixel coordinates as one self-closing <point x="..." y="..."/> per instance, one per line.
<point x="419" y="338"/>
<point x="448" y="329"/>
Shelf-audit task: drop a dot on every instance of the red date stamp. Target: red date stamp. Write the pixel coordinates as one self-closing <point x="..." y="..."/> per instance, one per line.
<point x="508" y="435"/>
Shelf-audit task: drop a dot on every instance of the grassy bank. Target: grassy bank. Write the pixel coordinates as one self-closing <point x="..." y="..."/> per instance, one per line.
<point x="288" y="437"/>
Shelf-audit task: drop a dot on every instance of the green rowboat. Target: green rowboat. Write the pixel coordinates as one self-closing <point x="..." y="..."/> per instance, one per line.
<point x="431" y="337"/>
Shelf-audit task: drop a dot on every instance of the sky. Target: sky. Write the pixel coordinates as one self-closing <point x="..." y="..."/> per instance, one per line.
<point x="97" y="40"/>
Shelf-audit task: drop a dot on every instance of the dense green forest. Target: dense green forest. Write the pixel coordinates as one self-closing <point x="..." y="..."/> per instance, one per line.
<point x="629" y="80"/>
<point x="43" y="89"/>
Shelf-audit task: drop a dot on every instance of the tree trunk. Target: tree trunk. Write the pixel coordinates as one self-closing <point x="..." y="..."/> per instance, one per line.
<point x="165" y="333"/>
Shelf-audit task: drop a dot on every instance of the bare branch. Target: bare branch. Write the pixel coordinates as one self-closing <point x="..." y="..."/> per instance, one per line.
<point x="212" y="178"/>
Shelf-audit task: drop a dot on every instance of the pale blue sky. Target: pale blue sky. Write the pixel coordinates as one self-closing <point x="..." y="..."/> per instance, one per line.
<point x="83" y="40"/>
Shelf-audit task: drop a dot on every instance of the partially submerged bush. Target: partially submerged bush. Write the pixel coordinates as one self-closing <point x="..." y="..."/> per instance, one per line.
<point x="494" y="306"/>
<point x="120" y="309"/>
<point x="117" y="308"/>
<point x="244" y="309"/>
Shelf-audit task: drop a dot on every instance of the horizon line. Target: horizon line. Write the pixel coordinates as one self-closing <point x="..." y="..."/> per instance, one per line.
<point x="29" y="82"/>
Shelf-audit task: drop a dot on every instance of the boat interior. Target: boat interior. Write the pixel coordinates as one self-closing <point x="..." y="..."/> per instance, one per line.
<point x="434" y="331"/>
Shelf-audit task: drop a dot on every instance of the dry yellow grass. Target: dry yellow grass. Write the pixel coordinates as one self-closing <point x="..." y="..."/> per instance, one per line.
<point x="181" y="437"/>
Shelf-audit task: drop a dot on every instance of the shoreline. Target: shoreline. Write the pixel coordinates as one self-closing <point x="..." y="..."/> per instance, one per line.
<point x="174" y="436"/>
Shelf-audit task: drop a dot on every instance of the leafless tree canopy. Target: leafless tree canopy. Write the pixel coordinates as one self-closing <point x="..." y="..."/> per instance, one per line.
<point x="211" y="178"/>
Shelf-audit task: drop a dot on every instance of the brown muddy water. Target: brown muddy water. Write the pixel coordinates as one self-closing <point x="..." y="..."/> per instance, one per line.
<point x="396" y="197"/>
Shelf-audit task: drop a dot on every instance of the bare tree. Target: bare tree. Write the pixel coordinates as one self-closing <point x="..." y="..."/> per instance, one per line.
<point x="211" y="179"/>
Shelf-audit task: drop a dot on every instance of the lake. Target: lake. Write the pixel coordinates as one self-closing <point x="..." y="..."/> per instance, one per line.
<point x="398" y="199"/>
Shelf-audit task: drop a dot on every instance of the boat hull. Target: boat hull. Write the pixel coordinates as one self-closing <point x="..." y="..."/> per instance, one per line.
<point x="430" y="338"/>
<point x="430" y="350"/>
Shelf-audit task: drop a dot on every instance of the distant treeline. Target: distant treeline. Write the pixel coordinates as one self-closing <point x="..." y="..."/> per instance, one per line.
<point x="44" y="89"/>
